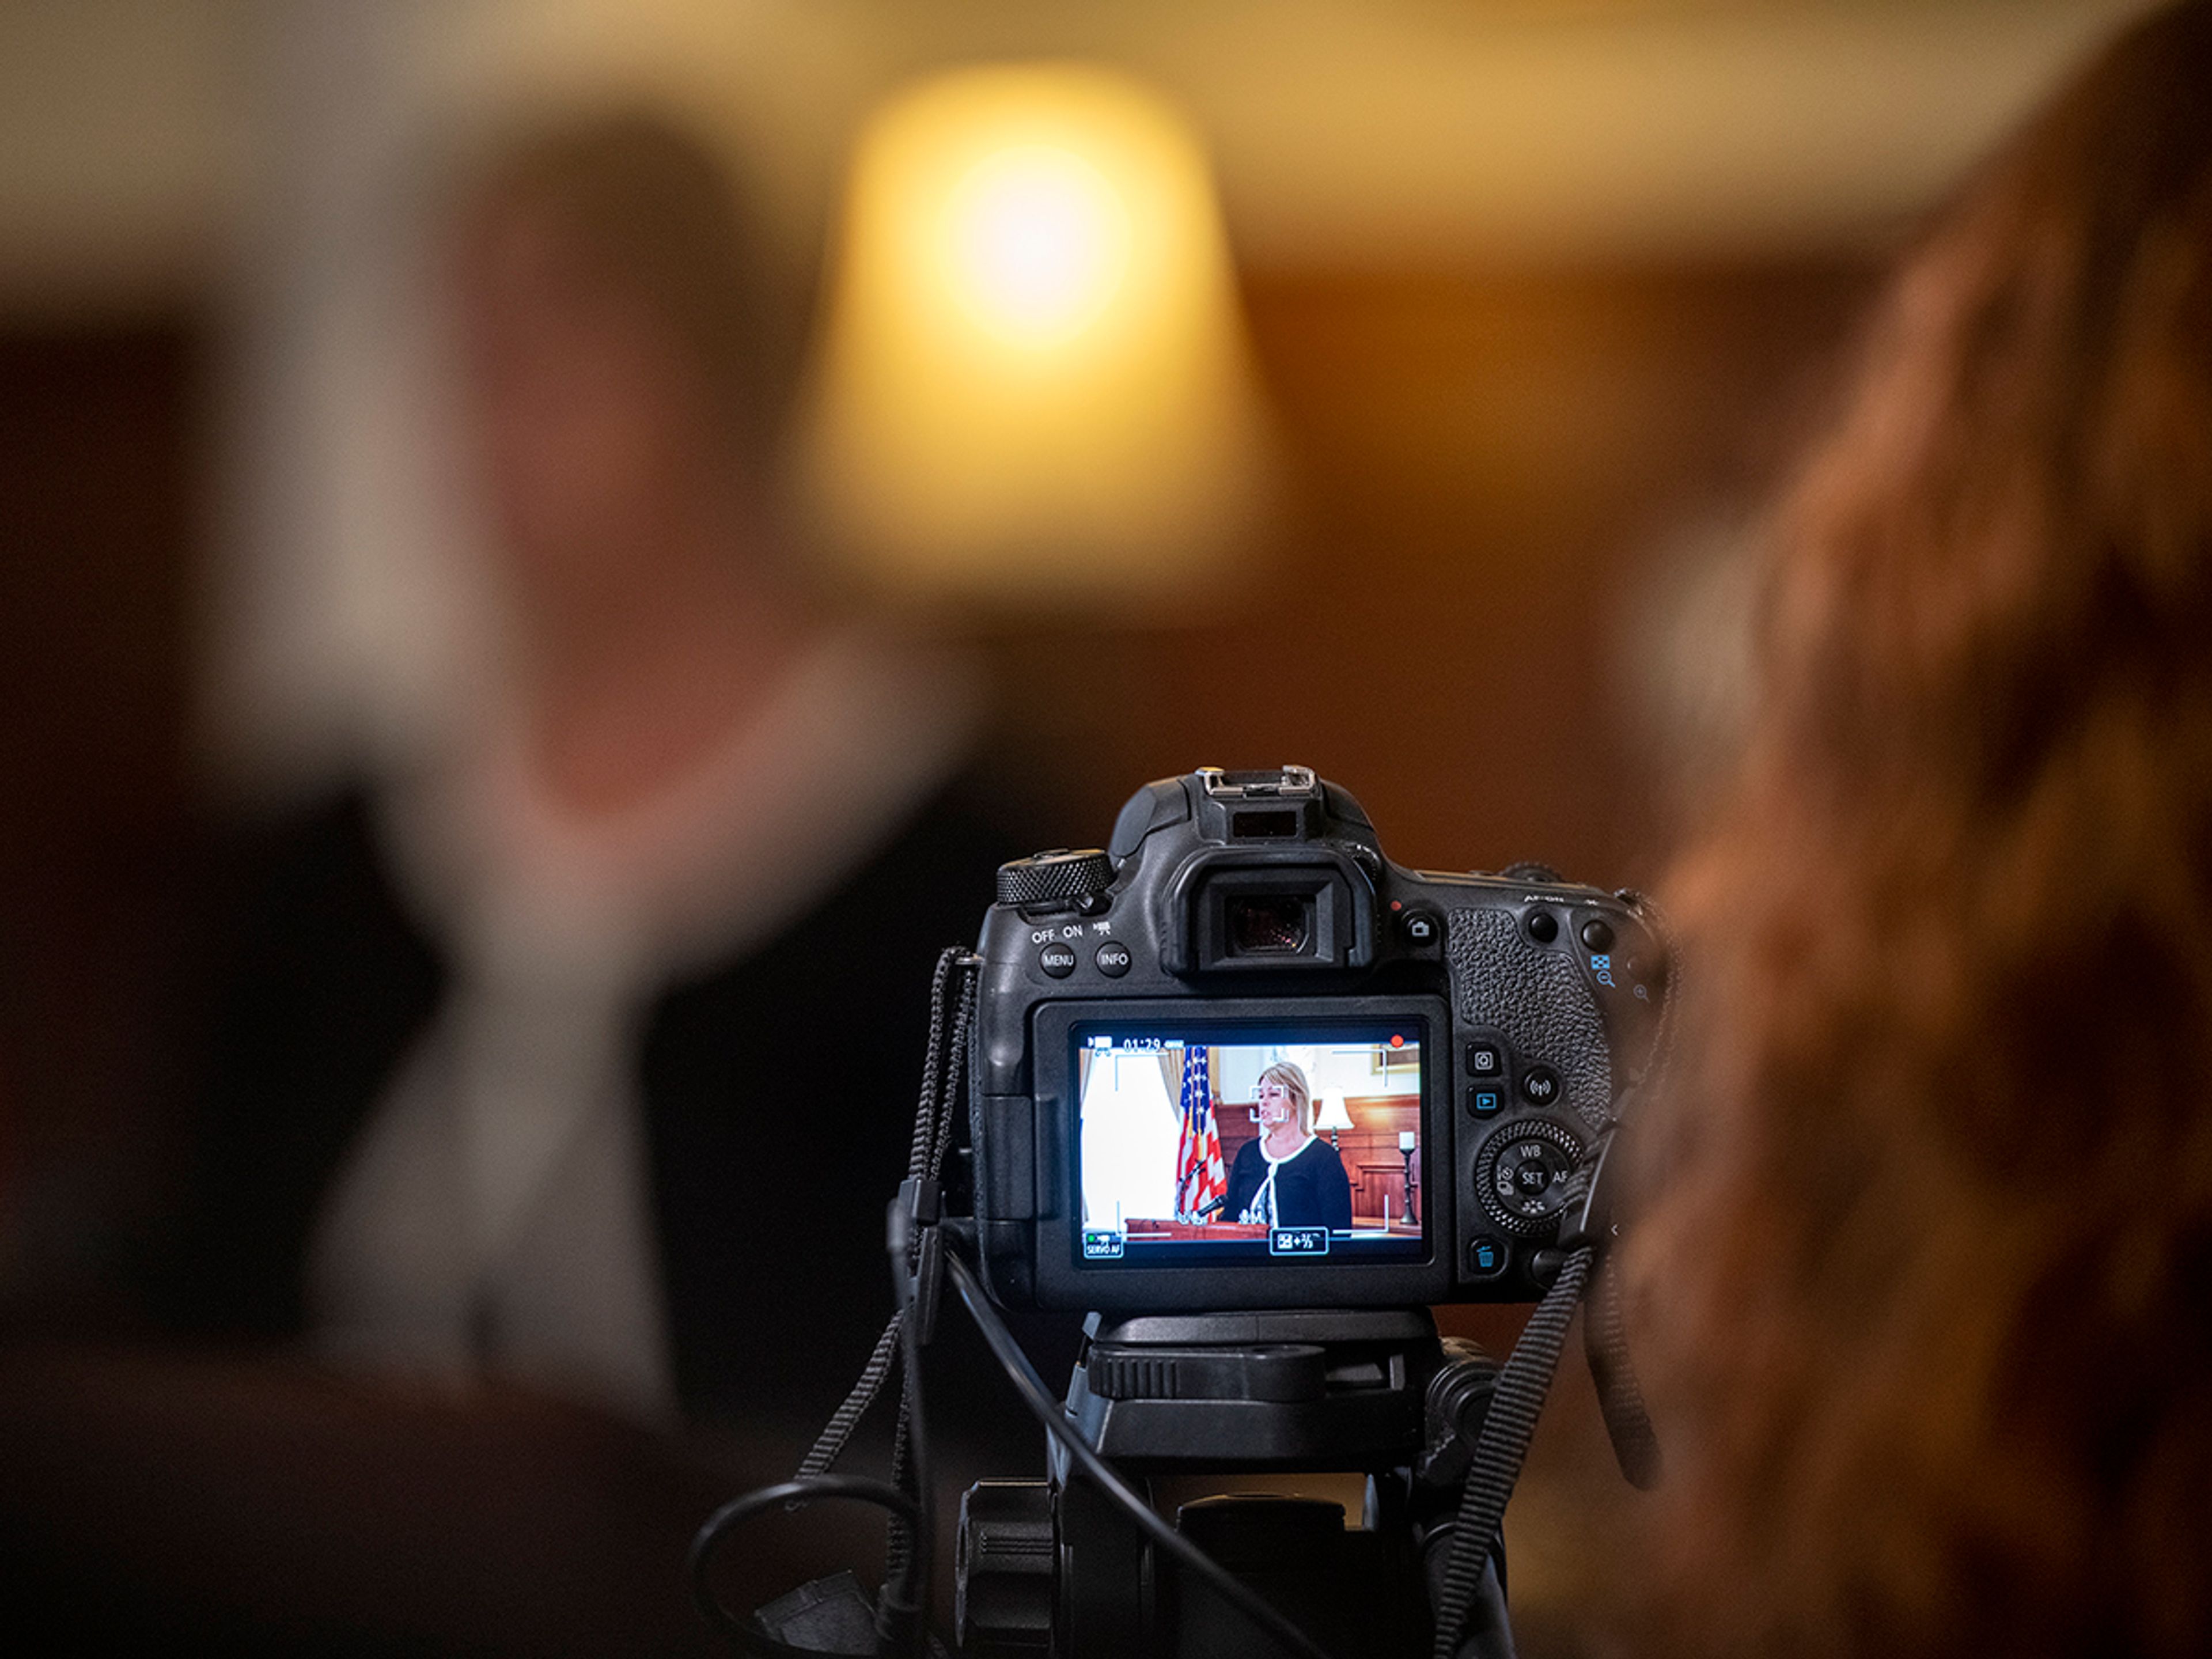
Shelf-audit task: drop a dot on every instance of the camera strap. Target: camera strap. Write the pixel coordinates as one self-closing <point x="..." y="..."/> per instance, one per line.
<point x="951" y="1014"/>
<point x="1516" y="1401"/>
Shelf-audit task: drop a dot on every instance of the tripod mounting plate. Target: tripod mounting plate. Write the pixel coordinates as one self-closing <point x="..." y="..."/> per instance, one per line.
<point x="1308" y="1388"/>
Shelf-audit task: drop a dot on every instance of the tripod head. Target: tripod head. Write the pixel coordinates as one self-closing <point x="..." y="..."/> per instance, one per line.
<point x="1202" y="1404"/>
<point x="1284" y="1388"/>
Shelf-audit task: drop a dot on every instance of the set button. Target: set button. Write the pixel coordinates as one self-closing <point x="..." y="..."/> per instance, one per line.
<point x="1522" y="1175"/>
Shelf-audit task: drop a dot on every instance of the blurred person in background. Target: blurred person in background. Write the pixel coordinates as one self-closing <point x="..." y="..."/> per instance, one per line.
<point x="1929" y="1262"/>
<point x="637" y="965"/>
<point x="559" y="1080"/>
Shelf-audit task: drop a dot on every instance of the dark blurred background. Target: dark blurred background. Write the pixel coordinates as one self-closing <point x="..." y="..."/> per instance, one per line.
<point x="1537" y="300"/>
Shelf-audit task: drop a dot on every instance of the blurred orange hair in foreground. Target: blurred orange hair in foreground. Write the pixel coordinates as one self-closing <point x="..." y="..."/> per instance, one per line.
<point x="1928" y="1258"/>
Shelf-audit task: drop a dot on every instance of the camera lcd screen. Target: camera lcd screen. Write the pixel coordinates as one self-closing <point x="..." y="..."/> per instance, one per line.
<point x="1210" y="1147"/>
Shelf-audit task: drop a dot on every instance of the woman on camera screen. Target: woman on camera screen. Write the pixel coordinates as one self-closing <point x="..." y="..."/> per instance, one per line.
<point x="1287" y="1176"/>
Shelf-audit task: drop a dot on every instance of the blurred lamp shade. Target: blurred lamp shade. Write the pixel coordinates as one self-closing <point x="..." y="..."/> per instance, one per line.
<point x="1033" y="381"/>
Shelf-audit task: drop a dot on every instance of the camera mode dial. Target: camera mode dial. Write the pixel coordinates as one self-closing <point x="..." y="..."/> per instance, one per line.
<point x="1058" y="880"/>
<point x="1522" y="1173"/>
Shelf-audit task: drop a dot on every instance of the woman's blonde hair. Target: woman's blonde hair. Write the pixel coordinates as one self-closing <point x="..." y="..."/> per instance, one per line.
<point x="1292" y="1078"/>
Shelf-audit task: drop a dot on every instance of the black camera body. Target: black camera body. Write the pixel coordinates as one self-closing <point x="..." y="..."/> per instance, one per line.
<point x="1244" y="934"/>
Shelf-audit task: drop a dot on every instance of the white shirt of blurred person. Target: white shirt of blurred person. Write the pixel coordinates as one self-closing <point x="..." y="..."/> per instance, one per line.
<point x="684" y="749"/>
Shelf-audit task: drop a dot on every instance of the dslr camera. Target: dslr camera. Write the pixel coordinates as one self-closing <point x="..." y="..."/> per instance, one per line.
<point x="1256" y="1098"/>
<point x="1462" y="1040"/>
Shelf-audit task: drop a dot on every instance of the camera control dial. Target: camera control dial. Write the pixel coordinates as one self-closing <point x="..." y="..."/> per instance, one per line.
<point x="1521" y="1175"/>
<point x="1006" y="1565"/>
<point x="1058" y="880"/>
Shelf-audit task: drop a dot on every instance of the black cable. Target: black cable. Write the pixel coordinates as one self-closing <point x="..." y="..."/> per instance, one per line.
<point x="902" y="1609"/>
<point x="783" y="1493"/>
<point x="1047" y="1411"/>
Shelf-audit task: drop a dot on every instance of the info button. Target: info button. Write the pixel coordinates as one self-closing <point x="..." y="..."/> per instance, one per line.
<point x="1057" y="959"/>
<point x="1112" y="959"/>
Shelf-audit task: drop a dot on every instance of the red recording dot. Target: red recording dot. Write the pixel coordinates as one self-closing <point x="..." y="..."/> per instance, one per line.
<point x="1397" y="1042"/>
<point x="1397" y="904"/>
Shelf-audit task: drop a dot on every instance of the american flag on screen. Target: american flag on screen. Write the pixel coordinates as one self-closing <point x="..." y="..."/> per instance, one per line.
<point x="1201" y="1181"/>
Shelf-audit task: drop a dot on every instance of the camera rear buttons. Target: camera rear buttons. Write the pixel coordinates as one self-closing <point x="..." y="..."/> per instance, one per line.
<point x="1540" y="1085"/>
<point x="1487" y="1256"/>
<point x="1521" y="1175"/>
<point x="1485" y="1060"/>
<point x="1422" y="928"/>
<point x="1597" y="935"/>
<point x="1058" y="958"/>
<point x="1543" y="927"/>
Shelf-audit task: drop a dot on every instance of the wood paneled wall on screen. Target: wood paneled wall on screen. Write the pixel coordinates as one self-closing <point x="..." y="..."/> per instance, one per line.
<point x="1371" y="1156"/>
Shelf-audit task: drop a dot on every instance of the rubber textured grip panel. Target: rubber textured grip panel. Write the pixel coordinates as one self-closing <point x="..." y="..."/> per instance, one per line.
<point x="1537" y="999"/>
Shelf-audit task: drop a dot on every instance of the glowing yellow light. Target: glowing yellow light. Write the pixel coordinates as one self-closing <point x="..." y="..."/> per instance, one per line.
<point x="1033" y="377"/>
<point x="1037" y="243"/>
